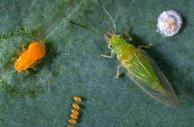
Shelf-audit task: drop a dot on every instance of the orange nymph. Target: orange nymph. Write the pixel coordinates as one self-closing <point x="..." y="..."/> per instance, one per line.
<point x="35" y="52"/>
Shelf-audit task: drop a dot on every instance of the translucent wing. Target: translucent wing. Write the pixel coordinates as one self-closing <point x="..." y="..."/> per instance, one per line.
<point x="146" y="75"/>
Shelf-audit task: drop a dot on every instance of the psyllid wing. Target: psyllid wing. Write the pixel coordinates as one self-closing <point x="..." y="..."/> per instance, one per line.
<point x="145" y="74"/>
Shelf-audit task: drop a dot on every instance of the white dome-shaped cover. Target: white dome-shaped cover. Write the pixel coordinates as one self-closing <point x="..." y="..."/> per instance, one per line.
<point x="169" y="23"/>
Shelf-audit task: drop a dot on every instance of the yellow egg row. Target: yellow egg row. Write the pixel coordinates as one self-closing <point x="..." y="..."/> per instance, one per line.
<point x="74" y="111"/>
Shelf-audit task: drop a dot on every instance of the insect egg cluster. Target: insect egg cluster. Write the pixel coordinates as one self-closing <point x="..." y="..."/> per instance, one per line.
<point x="75" y="111"/>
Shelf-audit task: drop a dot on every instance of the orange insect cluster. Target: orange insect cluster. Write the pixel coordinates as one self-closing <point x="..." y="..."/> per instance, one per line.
<point x="35" y="52"/>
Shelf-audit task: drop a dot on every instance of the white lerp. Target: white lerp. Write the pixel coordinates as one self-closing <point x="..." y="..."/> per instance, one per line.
<point x="169" y="23"/>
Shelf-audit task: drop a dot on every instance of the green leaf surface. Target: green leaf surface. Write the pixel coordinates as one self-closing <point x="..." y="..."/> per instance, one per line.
<point x="72" y="31"/>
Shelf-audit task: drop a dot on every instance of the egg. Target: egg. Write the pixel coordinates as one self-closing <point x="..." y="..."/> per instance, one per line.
<point x="72" y="121"/>
<point x="73" y="111"/>
<point x="77" y="98"/>
<point x="75" y="106"/>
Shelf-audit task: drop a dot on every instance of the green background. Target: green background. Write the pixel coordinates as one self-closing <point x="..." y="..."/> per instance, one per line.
<point x="41" y="97"/>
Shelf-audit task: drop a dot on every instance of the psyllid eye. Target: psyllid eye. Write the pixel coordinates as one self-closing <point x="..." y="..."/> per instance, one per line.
<point x="110" y="46"/>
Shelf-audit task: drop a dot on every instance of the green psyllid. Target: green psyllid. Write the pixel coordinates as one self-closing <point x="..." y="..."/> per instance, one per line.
<point x="140" y="67"/>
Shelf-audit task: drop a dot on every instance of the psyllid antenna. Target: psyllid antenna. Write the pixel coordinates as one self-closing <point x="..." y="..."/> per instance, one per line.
<point x="83" y="26"/>
<point x="111" y="18"/>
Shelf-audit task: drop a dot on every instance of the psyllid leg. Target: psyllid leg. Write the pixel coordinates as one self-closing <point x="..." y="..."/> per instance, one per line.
<point x="107" y="56"/>
<point x="145" y="46"/>
<point x="118" y="72"/>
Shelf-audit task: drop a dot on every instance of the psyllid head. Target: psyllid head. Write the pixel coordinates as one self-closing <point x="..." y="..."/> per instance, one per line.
<point x="108" y="35"/>
<point x="113" y="39"/>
